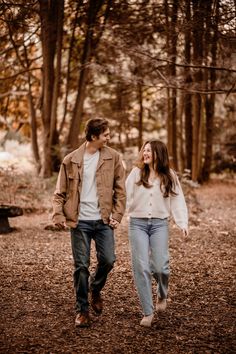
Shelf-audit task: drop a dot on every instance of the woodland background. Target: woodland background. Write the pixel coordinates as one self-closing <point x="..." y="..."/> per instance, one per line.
<point x="155" y="68"/>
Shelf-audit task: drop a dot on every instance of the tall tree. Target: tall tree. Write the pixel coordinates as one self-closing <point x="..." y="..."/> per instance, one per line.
<point x="171" y="14"/>
<point x="188" y="81"/>
<point x="51" y="29"/>
<point x="212" y="38"/>
<point x="173" y="55"/>
<point x="91" y="41"/>
<point x="54" y="134"/>
<point x="20" y="32"/>
<point x="197" y="35"/>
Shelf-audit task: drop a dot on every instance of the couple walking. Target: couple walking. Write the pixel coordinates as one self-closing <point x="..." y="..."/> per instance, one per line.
<point x="90" y="197"/>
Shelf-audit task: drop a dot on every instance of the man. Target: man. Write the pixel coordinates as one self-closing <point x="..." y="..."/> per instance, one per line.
<point x="90" y="199"/>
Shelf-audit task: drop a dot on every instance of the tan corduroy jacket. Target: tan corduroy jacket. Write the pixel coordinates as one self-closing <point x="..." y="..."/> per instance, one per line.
<point x="110" y="178"/>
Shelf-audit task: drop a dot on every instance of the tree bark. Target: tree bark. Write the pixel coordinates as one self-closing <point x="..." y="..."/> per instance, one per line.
<point x="198" y="26"/>
<point x="54" y="135"/>
<point x="72" y="41"/>
<point x="188" y="80"/>
<point x="169" y="126"/>
<point x="49" y="25"/>
<point x="210" y="100"/>
<point x="33" y="127"/>
<point x="172" y="52"/>
<point x="25" y="64"/>
<point x="181" y="154"/>
<point x="140" y="121"/>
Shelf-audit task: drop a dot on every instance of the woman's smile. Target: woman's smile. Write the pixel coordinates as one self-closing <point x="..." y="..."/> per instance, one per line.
<point x="147" y="154"/>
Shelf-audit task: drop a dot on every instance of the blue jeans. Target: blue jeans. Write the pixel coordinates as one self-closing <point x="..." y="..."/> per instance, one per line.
<point x="150" y="257"/>
<point x="81" y="238"/>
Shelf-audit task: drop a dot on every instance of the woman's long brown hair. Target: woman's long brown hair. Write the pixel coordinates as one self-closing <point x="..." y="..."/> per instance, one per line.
<point x="161" y="166"/>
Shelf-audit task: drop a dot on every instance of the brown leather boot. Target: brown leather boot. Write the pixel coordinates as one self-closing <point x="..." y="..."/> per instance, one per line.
<point x="82" y="319"/>
<point x="97" y="303"/>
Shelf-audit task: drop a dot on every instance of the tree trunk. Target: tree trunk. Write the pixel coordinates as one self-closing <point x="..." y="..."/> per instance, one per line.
<point x="200" y="138"/>
<point x="33" y="127"/>
<point x="172" y="52"/>
<point x="188" y="99"/>
<point x="25" y="64"/>
<point x="54" y="136"/>
<point x="198" y="26"/>
<point x="195" y="142"/>
<point x="88" y="49"/>
<point x="120" y="114"/>
<point x="210" y="100"/>
<point x="169" y="122"/>
<point x="174" y="117"/>
<point x="69" y="59"/>
<point x="181" y="155"/>
<point x="140" y="121"/>
<point x="49" y="28"/>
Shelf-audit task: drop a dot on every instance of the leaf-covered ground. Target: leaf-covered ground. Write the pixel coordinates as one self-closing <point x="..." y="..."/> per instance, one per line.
<point x="37" y="298"/>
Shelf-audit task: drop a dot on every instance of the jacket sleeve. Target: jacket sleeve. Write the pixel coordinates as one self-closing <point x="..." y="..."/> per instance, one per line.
<point x="60" y="196"/>
<point x="178" y="206"/>
<point x="119" y="197"/>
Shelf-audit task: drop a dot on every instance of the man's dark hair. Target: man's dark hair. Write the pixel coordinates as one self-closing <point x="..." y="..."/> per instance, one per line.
<point x="95" y="126"/>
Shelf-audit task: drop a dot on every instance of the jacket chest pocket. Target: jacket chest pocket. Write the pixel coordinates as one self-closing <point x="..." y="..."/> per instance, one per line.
<point x="74" y="180"/>
<point x="107" y="178"/>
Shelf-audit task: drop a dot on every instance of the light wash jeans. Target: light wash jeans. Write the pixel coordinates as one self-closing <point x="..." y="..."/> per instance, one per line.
<point x="81" y="238"/>
<point x="150" y="257"/>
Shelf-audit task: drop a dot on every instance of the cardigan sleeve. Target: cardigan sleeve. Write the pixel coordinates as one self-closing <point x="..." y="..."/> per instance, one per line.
<point x="178" y="207"/>
<point x="129" y="186"/>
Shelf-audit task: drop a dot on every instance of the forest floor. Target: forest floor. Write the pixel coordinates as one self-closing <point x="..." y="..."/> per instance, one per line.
<point x="37" y="297"/>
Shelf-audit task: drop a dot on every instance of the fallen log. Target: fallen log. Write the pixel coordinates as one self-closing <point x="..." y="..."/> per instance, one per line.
<point x="8" y="211"/>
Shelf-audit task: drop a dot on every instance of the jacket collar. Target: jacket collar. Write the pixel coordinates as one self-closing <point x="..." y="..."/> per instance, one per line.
<point x="78" y="155"/>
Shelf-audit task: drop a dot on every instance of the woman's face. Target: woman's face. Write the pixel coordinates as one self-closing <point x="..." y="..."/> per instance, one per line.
<point x="147" y="154"/>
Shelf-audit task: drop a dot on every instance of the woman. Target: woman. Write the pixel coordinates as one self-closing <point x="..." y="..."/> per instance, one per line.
<point x="153" y="194"/>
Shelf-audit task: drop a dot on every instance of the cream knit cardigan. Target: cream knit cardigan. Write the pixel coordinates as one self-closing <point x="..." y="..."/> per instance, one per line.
<point x="149" y="202"/>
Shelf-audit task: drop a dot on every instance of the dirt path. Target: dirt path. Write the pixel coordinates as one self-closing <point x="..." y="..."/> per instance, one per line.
<point x="37" y="300"/>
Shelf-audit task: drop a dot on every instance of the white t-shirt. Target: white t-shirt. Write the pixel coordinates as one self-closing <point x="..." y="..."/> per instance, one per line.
<point x="89" y="208"/>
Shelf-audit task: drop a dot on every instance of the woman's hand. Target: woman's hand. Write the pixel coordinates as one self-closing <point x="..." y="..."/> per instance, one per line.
<point x="185" y="232"/>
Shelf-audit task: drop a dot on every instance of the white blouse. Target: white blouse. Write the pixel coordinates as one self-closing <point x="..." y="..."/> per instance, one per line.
<point x="149" y="202"/>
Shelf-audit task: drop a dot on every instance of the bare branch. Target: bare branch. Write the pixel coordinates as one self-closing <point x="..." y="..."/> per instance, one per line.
<point x="205" y="67"/>
<point x="13" y="93"/>
<point x="19" y="73"/>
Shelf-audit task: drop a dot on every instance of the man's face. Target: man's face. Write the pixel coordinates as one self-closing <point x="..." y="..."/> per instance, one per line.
<point x="102" y="139"/>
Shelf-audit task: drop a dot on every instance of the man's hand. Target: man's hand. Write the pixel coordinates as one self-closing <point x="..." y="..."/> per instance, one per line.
<point x="113" y="223"/>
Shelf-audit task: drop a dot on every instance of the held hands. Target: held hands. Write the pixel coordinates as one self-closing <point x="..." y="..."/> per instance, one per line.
<point x="113" y="223"/>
